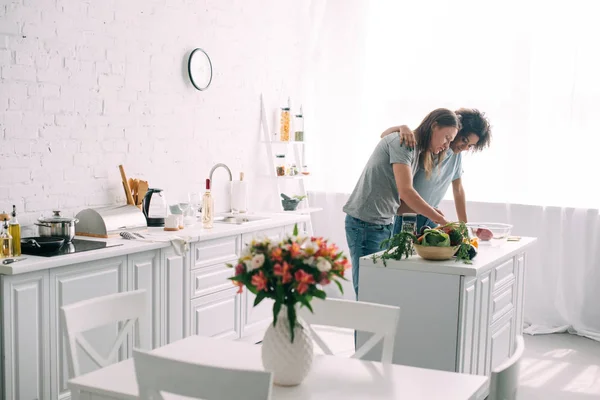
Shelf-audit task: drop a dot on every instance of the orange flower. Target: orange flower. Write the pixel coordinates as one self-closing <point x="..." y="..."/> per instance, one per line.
<point x="260" y="281"/>
<point x="240" y="286"/>
<point x="283" y="271"/>
<point x="276" y="254"/>
<point x="304" y="280"/>
<point x="295" y="250"/>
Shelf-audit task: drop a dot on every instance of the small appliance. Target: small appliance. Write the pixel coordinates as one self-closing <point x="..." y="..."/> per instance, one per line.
<point x="155" y="208"/>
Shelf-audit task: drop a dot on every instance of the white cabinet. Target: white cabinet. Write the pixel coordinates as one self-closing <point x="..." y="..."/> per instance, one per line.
<point x="144" y="273"/>
<point x="76" y="283"/>
<point x="26" y="356"/>
<point x="175" y="272"/>
<point x="217" y="314"/>
<point x="449" y="321"/>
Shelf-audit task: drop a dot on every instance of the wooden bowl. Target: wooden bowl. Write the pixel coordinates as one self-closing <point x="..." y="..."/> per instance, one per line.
<point x="436" y="253"/>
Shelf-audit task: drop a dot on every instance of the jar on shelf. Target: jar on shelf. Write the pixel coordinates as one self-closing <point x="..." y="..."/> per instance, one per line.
<point x="280" y="164"/>
<point x="299" y="127"/>
<point x="284" y="128"/>
<point x="293" y="170"/>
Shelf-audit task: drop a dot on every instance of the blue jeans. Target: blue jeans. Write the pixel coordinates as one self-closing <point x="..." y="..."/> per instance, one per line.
<point x="364" y="239"/>
<point x="421" y="221"/>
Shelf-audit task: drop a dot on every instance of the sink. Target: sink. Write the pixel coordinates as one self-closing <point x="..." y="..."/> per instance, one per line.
<point x="238" y="219"/>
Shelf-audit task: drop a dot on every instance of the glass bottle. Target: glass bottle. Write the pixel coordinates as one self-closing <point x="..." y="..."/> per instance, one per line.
<point x="299" y="127"/>
<point x="285" y="124"/>
<point x="14" y="229"/>
<point x="5" y="241"/>
<point x="207" y="208"/>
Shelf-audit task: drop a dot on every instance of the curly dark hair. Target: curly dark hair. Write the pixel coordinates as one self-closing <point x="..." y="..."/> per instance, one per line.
<point x="474" y="121"/>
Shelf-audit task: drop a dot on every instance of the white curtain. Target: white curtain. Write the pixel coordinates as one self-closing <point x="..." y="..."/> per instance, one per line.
<point x="532" y="67"/>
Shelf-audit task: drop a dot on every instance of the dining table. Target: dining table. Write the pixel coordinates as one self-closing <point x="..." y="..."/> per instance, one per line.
<point x="331" y="377"/>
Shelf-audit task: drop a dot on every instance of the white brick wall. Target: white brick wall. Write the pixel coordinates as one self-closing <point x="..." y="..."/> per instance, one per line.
<point x="85" y="86"/>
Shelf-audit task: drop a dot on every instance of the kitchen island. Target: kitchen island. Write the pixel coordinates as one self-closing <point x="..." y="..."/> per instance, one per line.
<point x="454" y="316"/>
<point x="187" y="294"/>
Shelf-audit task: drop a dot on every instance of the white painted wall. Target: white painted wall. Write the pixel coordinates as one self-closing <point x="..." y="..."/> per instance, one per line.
<point x="88" y="85"/>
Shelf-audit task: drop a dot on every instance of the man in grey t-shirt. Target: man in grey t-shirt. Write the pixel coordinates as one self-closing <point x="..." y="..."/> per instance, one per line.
<point x="375" y="197"/>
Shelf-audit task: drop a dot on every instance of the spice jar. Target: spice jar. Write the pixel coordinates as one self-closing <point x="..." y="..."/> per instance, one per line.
<point x="409" y="223"/>
<point x="285" y="124"/>
<point x="280" y="164"/>
<point x="299" y="127"/>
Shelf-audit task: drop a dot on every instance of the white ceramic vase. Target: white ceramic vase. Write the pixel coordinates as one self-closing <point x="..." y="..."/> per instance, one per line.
<point x="289" y="362"/>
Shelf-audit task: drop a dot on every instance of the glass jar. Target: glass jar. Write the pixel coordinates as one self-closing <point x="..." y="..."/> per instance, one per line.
<point x="280" y="164"/>
<point x="284" y="129"/>
<point x="5" y="241"/>
<point x="293" y="170"/>
<point x="299" y="128"/>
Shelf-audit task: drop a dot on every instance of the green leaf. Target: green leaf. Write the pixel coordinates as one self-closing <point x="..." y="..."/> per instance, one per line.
<point x="292" y="319"/>
<point x="339" y="285"/>
<point x="276" y="309"/>
<point x="259" y="297"/>
<point x="320" y="294"/>
<point x="296" y="229"/>
<point x="305" y="302"/>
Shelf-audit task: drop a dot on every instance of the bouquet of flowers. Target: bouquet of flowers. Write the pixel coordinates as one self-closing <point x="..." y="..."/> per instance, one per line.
<point x="289" y="272"/>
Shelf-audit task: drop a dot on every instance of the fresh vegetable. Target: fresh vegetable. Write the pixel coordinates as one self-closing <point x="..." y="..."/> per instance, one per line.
<point x="434" y="237"/>
<point x="484" y="234"/>
<point x="401" y="245"/>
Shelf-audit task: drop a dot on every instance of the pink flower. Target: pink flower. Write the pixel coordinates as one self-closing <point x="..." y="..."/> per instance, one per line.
<point x="240" y="286"/>
<point x="324" y="279"/>
<point x="295" y="250"/>
<point x="283" y="271"/>
<point x="304" y="280"/>
<point x="239" y="269"/>
<point x="260" y="281"/>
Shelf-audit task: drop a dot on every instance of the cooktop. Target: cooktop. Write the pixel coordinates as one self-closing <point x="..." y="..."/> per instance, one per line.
<point x="76" y="246"/>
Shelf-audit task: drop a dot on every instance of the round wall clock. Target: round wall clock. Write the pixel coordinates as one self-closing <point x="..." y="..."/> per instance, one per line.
<point x="200" y="69"/>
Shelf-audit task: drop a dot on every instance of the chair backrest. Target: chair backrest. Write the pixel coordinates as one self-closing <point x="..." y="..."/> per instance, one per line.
<point x="156" y="374"/>
<point x="505" y="378"/>
<point x="125" y="307"/>
<point x="381" y="320"/>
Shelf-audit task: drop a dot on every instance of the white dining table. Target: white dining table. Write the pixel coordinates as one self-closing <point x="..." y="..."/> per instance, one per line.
<point x="330" y="378"/>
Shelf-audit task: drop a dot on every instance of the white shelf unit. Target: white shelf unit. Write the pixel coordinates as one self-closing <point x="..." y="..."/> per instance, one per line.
<point x="298" y="149"/>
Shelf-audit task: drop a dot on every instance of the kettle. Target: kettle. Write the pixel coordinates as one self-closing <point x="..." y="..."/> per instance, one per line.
<point x="154" y="207"/>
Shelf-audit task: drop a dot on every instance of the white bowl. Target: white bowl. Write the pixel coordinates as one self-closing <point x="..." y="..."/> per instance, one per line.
<point x="499" y="232"/>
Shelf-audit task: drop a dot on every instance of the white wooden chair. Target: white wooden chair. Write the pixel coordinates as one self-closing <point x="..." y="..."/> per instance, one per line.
<point x="505" y="377"/>
<point x="156" y="374"/>
<point x="382" y="320"/>
<point x="126" y="307"/>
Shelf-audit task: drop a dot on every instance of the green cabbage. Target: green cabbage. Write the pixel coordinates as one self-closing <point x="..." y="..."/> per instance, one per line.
<point x="437" y="238"/>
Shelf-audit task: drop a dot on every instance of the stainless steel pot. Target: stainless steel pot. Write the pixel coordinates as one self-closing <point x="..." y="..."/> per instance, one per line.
<point x="57" y="226"/>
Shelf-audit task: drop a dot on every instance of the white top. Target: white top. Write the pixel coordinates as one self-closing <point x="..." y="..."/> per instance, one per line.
<point x="330" y="378"/>
<point x="192" y="234"/>
<point x="487" y="257"/>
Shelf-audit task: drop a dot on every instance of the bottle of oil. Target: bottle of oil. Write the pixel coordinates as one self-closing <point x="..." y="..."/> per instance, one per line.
<point x="208" y="207"/>
<point x="5" y="241"/>
<point x="14" y="229"/>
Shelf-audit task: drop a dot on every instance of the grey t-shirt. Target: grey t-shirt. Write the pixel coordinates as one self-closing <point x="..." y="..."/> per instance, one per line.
<point x="432" y="190"/>
<point x="375" y="197"/>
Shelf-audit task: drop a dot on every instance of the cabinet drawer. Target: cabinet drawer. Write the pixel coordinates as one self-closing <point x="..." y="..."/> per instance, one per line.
<point x="503" y="301"/>
<point x="218" y="251"/>
<point x="504" y="273"/>
<point x="217" y="315"/>
<point x="211" y="279"/>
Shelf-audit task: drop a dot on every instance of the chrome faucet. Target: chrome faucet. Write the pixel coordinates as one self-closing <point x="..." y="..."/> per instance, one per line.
<point x="210" y="176"/>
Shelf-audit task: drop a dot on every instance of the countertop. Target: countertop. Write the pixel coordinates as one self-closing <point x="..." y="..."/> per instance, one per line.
<point x="191" y="234"/>
<point x="487" y="257"/>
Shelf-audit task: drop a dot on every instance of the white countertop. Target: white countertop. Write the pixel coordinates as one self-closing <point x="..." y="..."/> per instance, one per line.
<point x="192" y="234"/>
<point x="487" y="257"/>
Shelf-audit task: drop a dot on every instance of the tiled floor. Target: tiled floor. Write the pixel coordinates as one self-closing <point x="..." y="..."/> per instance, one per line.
<point x="554" y="367"/>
